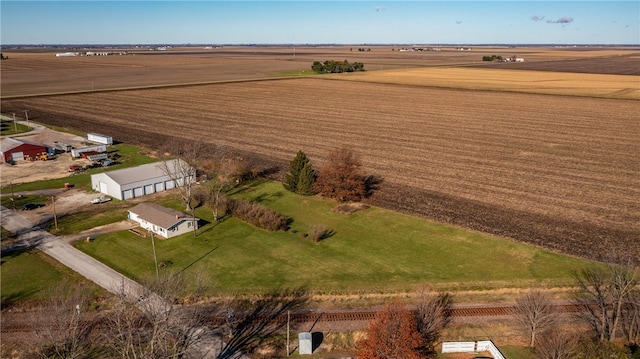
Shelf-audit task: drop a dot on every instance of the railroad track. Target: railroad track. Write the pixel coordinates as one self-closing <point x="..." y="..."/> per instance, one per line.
<point x="350" y="316"/>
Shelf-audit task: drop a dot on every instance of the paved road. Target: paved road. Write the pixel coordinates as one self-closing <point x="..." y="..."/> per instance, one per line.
<point x="66" y="254"/>
<point x="116" y="283"/>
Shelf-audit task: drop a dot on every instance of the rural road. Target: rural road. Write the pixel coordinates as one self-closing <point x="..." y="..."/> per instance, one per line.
<point x="30" y="236"/>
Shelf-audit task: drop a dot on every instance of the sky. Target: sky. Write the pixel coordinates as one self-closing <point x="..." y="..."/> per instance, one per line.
<point x="319" y="22"/>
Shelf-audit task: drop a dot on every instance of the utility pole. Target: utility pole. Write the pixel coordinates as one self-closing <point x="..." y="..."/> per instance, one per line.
<point x="13" y="200"/>
<point x="15" y="125"/>
<point x="55" y="217"/>
<point x="155" y="257"/>
<point x="26" y="116"/>
<point x="288" y="320"/>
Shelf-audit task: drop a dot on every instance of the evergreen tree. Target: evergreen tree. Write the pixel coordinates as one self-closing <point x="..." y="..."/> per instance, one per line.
<point x="301" y="176"/>
<point x="306" y="180"/>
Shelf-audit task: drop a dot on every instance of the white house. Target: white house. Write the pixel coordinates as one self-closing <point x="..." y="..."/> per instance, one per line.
<point x="142" y="180"/>
<point x="164" y="222"/>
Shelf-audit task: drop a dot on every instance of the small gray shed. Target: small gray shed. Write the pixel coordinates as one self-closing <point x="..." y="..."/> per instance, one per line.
<point x="305" y="343"/>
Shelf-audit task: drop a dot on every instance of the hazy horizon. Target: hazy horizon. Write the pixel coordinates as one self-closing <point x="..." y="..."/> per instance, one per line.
<point x="319" y="22"/>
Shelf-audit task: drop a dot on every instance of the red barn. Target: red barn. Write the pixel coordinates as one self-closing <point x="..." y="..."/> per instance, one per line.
<point x="18" y="150"/>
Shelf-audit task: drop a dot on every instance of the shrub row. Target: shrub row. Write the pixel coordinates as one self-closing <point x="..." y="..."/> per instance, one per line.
<point x="258" y="215"/>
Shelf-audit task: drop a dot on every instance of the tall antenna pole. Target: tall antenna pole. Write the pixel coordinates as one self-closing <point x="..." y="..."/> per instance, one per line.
<point x="15" y="125"/>
<point x="155" y="257"/>
<point x="26" y="116"/>
<point x="55" y="217"/>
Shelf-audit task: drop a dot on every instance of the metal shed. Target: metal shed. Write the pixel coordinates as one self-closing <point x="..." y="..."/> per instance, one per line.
<point x="18" y="150"/>
<point x="138" y="181"/>
<point x="305" y="343"/>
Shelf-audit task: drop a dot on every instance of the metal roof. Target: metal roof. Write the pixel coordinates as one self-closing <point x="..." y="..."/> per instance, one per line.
<point x="160" y="216"/>
<point x="9" y="143"/>
<point x="146" y="172"/>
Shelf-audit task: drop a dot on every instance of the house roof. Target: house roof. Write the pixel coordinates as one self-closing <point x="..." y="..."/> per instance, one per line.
<point x="160" y="216"/>
<point x="9" y="143"/>
<point x="144" y="172"/>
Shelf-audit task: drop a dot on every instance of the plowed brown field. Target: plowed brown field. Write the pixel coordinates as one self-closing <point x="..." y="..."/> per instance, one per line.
<point x="556" y="171"/>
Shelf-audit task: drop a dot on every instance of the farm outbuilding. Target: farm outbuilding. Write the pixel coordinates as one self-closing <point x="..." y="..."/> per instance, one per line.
<point x="142" y="180"/>
<point x="163" y="221"/>
<point x="98" y="138"/>
<point x="18" y="150"/>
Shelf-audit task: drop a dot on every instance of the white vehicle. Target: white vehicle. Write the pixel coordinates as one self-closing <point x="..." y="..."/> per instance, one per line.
<point x="101" y="199"/>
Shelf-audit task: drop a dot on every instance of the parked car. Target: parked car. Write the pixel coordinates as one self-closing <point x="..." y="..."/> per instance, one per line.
<point x="30" y="206"/>
<point x="101" y="199"/>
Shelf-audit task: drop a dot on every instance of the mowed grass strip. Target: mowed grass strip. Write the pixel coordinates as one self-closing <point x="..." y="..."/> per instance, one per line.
<point x="373" y="250"/>
<point x="539" y="82"/>
<point x="30" y="274"/>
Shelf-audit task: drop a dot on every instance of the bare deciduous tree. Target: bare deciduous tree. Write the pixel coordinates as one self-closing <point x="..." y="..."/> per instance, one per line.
<point x="555" y="345"/>
<point x="602" y="293"/>
<point x="535" y="314"/>
<point x="222" y="176"/>
<point x="64" y="331"/>
<point x="254" y="320"/>
<point x="433" y="314"/>
<point x="161" y="323"/>
<point x="631" y="321"/>
<point x="182" y="172"/>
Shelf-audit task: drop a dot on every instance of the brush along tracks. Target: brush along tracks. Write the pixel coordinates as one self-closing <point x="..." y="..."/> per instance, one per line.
<point x="319" y="317"/>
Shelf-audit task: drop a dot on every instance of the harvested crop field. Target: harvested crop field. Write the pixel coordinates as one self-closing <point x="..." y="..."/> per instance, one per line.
<point x="616" y="64"/>
<point x="561" y="172"/>
<point x="509" y="79"/>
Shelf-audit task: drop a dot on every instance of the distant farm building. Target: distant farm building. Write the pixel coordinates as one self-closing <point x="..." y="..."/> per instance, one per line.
<point x="142" y="180"/>
<point x="67" y="54"/>
<point x="19" y="150"/>
<point x="165" y="222"/>
<point x="513" y="59"/>
<point x="98" y="138"/>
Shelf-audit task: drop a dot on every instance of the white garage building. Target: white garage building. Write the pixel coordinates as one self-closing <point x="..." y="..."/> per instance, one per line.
<point x="142" y="180"/>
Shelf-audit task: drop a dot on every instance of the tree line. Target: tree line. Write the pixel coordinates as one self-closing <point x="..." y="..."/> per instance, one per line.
<point x="332" y="66"/>
<point x="492" y="58"/>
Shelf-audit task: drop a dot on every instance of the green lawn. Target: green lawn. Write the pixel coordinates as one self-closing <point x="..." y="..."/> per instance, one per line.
<point x="26" y="275"/>
<point x="371" y="250"/>
<point x="8" y="128"/>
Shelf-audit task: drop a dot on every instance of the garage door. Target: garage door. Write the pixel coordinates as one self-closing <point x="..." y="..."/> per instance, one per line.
<point x="168" y="184"/>
<point x="137" y="192"/>
<point x="17" y="156"/>
<point x="127" y="194"/>
<point x="148" y="189"/>
<point x="159" y="187"/>
<point x="104" y="188"/>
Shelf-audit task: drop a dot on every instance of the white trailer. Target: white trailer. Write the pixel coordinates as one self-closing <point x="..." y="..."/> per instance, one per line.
<point x="77" y="152"/>
<point x="98" y="138"/>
